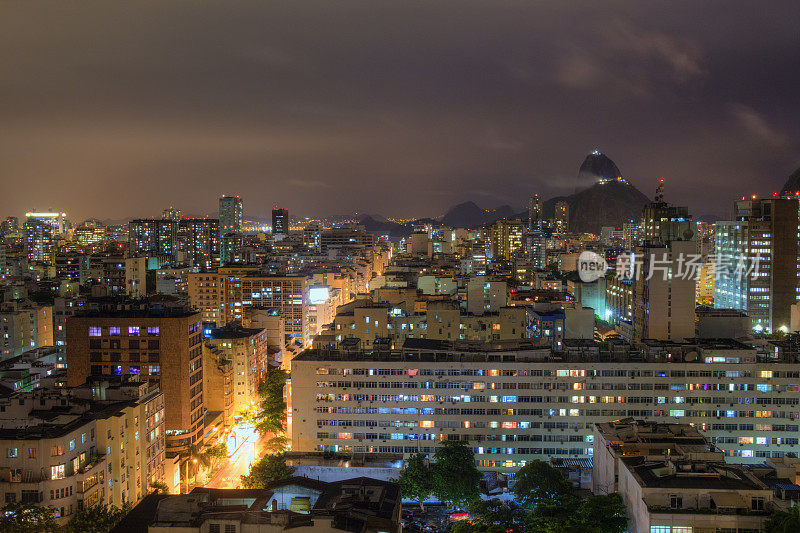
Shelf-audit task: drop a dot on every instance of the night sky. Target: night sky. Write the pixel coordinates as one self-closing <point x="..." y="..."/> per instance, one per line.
<point x="117" y="109"/>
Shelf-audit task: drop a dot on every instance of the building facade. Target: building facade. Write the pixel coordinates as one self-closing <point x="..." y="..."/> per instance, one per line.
<point x="160" y="346"/>
<point x="514" y="404"/>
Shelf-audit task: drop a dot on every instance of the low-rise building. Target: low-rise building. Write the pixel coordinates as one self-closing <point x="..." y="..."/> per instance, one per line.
<point x="298" y="504"/>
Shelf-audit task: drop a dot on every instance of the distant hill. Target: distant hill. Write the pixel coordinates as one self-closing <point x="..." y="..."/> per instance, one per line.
<point x="469" y="215"/>
<point x="792" y="185"/>
<point x="610" y="201"/>
<point x="378" y="224"/>
<point x="598" y="166"/>
<point x="602" y="204"/>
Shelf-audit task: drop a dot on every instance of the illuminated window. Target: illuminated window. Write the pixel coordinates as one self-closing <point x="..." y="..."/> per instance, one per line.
<point x="133" y="331"/>
<point x="95" y="331"/>
<point x="57" y="472"/>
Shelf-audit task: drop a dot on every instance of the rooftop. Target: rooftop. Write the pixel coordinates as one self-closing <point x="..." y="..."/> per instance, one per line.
<point x="292" y="502"/>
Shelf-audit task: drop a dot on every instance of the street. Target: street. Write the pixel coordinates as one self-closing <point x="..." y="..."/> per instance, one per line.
<point x="238" y="464"/>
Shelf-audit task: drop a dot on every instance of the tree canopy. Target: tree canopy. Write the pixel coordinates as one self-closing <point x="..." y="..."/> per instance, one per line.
<point x="454" y="476"/>
<point x="271" y="417"/>
<point x="548" y="503"/>
<point x="96" y="519"/>
<point x="784" y="521"/>
<point x="266" y="470"/>
<point x="415" y="479"/>
<point x="537" y="483"/>
<point x="27" y="518"/>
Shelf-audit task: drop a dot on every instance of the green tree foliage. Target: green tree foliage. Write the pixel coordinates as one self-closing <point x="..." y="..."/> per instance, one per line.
<point x="27" y="518"/>
<point x="602" y="514"/>
<point x="218" y="451"/>
<point x="159" y="486"/>
<point x="506" y="516"/>
<point x="784" y="521"/>
<point x="277" y="444"/>
<point x="548" y="504"/>
<point x="454" y="476"/>
<point x="415" y="479"/>
<point x="266" y="470"/>
<point x="538" y="483"/>
<point x="271" y="417"/>
<point x="96" y="519"/>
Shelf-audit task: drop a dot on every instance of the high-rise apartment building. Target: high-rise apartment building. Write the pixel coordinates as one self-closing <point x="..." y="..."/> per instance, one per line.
<point x="199" y="238"/>
<point x="231" y="213"/>
<point x="535" y="213"/>
<point x="24" y="325"/>
<point x="158" y="344"/>
<point x="280" y="221"/>
<point x="91" y="234"/>
<point x="507" y="237"/>
<point x="663" y="222"/>
<point x="246" y="351"/>
<point x="562" y="217"/>
<point x="665" y="286"/>
<point x="41" y="231"/>
<point x="756" y="257"/>
<point x="153" y="237"/>
<point x="665" y="303"/>
<point x="221" y="297"/>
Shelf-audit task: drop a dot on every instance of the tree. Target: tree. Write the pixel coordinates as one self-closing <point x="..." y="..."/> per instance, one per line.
<point x="96" y="519"/>
<point x="271" y="417"/>
<point x="602" y="514"/>
<point x="415" y="479"/>
<point x="27" y="518"/>
<point x="266" y="470"/>
<point x="277" y="444"/>
<point x="216" y="452"/>
<point x="538" y="483"/>
<point x="784" y="521"/>
<point x="159" y="486"/>
<point x="454" y="477"/>
<point x="508" y="516"/>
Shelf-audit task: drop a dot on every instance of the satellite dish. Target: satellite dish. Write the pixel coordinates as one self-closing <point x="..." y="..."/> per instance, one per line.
<point x="691" y="356"/>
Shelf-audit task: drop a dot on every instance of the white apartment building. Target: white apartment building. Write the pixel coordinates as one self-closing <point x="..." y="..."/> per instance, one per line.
<point x="24" y="325"/>
<point x="246" y="349"/>
<point x="513" y="402"/>
<point x="96" y="444"/>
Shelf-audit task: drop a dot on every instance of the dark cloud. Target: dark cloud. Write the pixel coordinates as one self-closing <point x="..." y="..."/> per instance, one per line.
<point x="403" y="108"/>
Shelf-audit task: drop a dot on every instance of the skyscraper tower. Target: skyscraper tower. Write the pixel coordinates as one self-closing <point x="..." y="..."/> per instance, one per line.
<point x="280" y="221"/>
<point x="535" y="213"/>
<point x="763" y="232"/>
<point x="41" y="230"/>
<point x="230" y="227"/>
<point x="562" y="217"/>
<point x="664" y="306"/>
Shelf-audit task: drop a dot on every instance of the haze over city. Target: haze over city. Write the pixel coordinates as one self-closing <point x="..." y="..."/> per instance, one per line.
<point x="404" y="109"/>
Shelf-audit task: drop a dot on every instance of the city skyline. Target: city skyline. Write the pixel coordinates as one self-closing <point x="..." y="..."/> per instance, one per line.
<point x="357" y="110"/>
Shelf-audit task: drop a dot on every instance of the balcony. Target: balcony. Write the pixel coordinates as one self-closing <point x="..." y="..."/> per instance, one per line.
<point x="19" y="475"/>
